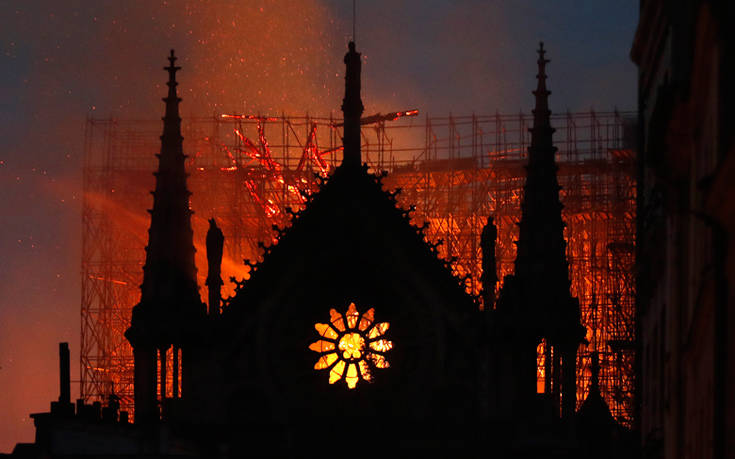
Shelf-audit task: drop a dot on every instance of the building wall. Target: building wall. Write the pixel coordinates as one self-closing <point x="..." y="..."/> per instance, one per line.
<point x="687" y="218"/>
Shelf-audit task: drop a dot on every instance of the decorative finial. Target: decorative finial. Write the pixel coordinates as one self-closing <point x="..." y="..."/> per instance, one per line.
<point x="352" y="107"/>
<point x="172" y="100"/>
<point x="542" y="55"/>
<point x="541" y="112"/>
<point x="172" y="68"/>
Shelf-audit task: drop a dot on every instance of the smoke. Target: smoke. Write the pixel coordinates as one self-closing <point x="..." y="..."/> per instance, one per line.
<point x="64" y="61"/>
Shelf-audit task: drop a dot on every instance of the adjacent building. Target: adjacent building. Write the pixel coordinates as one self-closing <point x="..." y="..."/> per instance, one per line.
<point x="686" y="270"/>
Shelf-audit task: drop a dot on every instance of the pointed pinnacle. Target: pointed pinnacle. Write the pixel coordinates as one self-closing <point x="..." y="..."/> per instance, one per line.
<point x="172" y="68"/>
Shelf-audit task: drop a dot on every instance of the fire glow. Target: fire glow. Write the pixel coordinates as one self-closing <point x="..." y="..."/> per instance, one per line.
<point x="255" y="171"/>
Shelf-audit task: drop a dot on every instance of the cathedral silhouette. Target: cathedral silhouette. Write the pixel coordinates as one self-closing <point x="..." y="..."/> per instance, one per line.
<point x="351" y="336"/>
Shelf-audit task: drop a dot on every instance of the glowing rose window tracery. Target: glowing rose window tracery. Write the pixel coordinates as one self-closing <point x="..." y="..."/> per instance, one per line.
<point x="351" y="346"/>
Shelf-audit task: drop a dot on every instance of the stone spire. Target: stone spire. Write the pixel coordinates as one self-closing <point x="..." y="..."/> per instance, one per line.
<point x="169" y="274"/>
<point x="536" y="302"/>
<point x="169" y="302"/>
<point x="541" y="246"/>
<point x="541" y="258"/>
<point x="352" y="108"/>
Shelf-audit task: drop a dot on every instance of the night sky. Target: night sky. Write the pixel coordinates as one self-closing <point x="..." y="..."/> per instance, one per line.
<point x="62" y="61"/>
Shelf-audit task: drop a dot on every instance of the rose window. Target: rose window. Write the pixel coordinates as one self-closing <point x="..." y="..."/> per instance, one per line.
<point x="351" y="346"/>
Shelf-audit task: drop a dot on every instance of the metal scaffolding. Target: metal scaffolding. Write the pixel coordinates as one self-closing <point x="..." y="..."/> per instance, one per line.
<point x="247" y="170"/>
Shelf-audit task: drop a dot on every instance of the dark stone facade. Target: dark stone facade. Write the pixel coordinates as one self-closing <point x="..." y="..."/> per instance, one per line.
<point x="686" y="301"/>
<point x="433" y="374"/>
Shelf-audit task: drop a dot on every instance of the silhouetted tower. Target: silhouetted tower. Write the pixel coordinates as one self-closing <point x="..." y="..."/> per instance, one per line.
<point x="215" y="245"/>
<point x="535" y="301"/>
<point x="352" y="108"/>
<point x="170" y="303"/>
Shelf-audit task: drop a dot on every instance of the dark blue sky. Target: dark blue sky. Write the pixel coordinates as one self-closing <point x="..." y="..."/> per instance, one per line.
<point x="465" y="56"/>
<point x="60" y="61"/>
